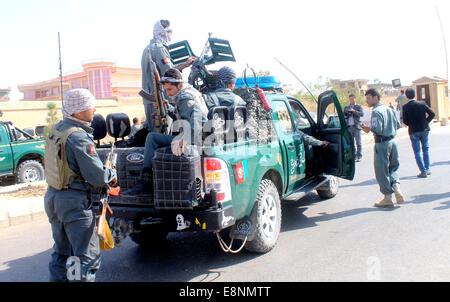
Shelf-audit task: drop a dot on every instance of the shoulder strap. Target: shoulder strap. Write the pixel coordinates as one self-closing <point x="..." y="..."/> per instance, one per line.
<point x="65" y="134"/>
<point x="215" y="99"/>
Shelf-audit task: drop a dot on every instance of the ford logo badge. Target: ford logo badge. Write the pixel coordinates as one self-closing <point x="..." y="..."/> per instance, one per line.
<point x="135" y="158"/>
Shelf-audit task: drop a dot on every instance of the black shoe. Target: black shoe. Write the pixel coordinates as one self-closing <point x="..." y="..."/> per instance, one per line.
<point x="144" y="186"/>
<point x="422" y="175"/>
<point x="141" y="188"/>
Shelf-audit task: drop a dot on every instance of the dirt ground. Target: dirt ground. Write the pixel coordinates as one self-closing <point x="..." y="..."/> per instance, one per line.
<point x="30" y="191"/>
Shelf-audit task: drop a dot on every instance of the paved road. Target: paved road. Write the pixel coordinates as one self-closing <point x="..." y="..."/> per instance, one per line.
<point x="343" y="239"/>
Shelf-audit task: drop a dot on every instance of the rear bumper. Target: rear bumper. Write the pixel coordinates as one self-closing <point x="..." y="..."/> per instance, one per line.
<point x="206" y="220"/>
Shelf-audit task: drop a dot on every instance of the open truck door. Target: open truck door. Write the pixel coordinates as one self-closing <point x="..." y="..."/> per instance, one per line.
<point x="339" y="156"/>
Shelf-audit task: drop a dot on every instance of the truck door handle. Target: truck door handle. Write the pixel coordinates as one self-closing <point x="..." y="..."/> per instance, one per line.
<point x="291" y="147"/>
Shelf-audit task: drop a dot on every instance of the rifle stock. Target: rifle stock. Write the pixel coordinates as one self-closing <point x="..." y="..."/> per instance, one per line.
<point x="158" y="97"/>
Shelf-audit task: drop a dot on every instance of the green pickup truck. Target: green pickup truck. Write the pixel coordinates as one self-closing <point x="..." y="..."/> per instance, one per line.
<point x="21" y="154"/>
<point x="237" y="186"/>
<point x="233" y="186"/>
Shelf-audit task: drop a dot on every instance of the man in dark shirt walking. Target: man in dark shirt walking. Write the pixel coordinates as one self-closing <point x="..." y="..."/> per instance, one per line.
<point x="417" y="116"/>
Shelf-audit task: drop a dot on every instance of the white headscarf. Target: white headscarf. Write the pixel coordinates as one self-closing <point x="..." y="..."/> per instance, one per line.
<point x="77" y="100"/>
<point x="161" y="34"/>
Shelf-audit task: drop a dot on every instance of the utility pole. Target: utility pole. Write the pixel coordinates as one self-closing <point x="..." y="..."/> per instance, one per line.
<point x="60" y="69"/>
<point x="445" y="43"/>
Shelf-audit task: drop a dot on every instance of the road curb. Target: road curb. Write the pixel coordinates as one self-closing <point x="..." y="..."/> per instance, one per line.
<point x="21" y="210"/>
<point x="18" y="220"/>
<point x="15" y="188"/>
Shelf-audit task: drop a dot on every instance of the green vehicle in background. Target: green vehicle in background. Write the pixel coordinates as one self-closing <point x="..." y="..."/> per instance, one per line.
<point x="234" y="188"/>
<point x="21" y="154"/>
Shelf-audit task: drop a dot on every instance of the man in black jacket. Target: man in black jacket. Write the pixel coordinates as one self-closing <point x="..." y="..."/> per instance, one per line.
<point x="353" y="113"/>
<point x="417" y="116"/>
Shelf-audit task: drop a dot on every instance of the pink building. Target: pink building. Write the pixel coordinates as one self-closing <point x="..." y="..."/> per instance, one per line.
<point x="104" y="79"/>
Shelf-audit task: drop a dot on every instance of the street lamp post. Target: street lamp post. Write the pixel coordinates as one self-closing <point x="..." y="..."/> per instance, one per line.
<point x="445" y="43"/>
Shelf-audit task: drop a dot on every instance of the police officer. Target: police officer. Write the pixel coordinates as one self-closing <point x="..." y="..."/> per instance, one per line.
<point x="223" y="95"/>
<point x="191" y="113"/>
<point x="158" y="51"/>
<point x="72" y="169"/>
<point x="353" y="113"/>
<point x="384" y="125"/>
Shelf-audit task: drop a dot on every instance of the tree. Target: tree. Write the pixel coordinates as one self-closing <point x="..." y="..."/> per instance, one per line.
<point x="52" y="118"/>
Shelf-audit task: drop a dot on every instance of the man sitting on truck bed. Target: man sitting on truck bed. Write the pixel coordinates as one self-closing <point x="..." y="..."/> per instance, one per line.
<point x="191" y="108"/>
<point x="224" y="96"/>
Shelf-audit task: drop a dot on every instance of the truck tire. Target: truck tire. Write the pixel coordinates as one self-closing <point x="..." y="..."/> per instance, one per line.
<point x="330" y="189"/>
<point x="150" y="235"/>
<point x="268" y="218"/>
<point x="30" y="171"/>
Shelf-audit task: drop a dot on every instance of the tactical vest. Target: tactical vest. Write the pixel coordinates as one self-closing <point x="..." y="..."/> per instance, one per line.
<point x="57" y="171"/>
<point x="198" y="99"/>
<point x="227" y="99"/>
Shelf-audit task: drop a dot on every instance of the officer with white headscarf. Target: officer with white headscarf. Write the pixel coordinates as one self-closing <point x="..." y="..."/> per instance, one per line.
<point x="158" y="52"/>
<point x="72" y="169"/>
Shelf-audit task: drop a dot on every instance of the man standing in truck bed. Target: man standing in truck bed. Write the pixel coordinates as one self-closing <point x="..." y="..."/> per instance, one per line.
<point x="157" y="51"/>
<point x="72" y="168"/>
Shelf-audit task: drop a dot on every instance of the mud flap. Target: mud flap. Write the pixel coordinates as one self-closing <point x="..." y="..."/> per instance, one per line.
<point x="245" y="228"/>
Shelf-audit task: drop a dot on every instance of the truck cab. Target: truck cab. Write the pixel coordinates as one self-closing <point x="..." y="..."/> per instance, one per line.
<point x="21" y="154"/>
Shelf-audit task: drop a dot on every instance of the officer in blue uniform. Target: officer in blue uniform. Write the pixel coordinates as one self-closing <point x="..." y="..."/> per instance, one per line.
<point x="158" y="51"/>
<point x="223" y="95"/>
<point x="73" y="168"/>
<point x="384" y="126"/>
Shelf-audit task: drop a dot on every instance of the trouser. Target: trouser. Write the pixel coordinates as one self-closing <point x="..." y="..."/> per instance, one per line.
<point x="150" y="115"/>
<point x="73" y="226"/>
<point x="356" y="137"/>
<point x="386" y="162"/>
<point x="153" y="142"/>
<point x="419" y="142"/>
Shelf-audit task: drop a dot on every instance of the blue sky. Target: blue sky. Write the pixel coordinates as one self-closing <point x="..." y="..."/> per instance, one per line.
<point x="336" y="39"/>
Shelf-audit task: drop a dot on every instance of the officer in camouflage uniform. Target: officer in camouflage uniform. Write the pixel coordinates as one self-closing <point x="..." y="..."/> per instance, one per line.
<point x="384" y="125"/>
<point x="72" y="169"/>
<point x="158" y="52"/>
<point x="190" y="107"/>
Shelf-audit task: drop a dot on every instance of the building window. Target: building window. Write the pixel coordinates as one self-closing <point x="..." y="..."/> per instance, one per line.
<point x="91" y="85"/>
<point x="446" y="91"/>
<point x="55" y="91"/>
<point x="41" y="94"/>
<point x="106" y="83"/>
<point x="97" y="83"/>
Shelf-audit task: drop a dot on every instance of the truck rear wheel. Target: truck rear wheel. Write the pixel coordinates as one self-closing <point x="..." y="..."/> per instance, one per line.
<point x="268" y="218"/>
<point x="150" y="235"/>
<point x="30" y="171"/>
<point x="329" y="189"/>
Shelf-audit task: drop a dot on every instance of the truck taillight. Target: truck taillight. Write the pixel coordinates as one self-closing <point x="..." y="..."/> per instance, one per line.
<point x="217" y="178"/>
<point x="212" y="164"/>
